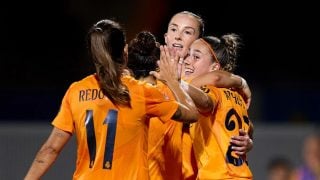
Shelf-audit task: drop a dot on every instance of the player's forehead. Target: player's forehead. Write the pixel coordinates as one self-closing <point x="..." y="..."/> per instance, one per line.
<point x="184" y="21"/>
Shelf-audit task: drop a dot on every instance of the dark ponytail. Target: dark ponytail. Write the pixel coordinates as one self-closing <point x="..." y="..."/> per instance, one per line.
<point x="106" y="42"/>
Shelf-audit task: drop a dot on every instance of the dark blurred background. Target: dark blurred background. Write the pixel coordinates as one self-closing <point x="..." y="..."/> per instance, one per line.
<point x="43" y="50"/>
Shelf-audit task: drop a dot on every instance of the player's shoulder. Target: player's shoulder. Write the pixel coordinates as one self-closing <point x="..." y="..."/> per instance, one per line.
<point x="89" y="81"/>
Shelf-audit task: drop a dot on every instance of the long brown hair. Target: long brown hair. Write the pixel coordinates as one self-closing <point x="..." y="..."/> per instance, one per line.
<point x="106" y="41"/>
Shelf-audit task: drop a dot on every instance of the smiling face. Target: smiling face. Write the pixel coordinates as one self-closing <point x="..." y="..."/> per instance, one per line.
<point x="183" y="29"/>
<point x="199" y="60"/>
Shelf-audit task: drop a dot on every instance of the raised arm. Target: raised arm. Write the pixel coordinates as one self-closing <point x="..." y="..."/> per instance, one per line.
<point x="168" y="74"/>
<point x="202" y="101"/>
<point x="223" y="79"/>
<point x="48" y="154"/>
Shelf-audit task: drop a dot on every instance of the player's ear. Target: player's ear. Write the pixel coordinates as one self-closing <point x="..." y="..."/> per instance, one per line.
<point x="126" y="48"/>
<point x="215" y="66"/>
<point x="166" y="38"/>
<point x="125" y="54"/>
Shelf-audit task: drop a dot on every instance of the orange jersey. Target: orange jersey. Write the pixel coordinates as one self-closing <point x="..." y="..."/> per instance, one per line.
<point x="164" y="153"/>
<point x="111" y="140"/>
<point x="164" y="146"/>
<point x="170" y="153"/>
<point x="189" y="165"/>
<point x="212" y="133"/>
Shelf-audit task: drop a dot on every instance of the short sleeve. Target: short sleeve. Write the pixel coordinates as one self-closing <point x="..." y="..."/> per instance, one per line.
<point x="160" y="104"/>
<point x="63" y="119"/>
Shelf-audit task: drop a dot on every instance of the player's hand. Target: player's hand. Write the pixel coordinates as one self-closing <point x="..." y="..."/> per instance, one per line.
<point x="242" y="143"/>
<point x="168" y="66"/>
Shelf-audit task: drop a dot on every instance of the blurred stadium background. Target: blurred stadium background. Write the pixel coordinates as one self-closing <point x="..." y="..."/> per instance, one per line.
<point x="43" y="51"/>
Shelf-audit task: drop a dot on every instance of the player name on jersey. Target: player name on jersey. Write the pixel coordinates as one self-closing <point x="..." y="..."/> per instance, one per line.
<point x="90" y="94"/>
